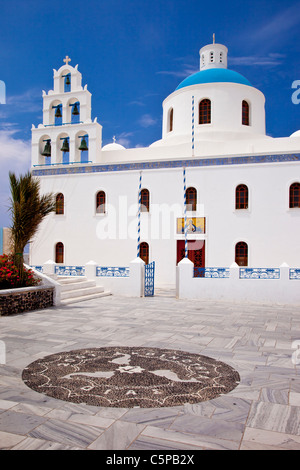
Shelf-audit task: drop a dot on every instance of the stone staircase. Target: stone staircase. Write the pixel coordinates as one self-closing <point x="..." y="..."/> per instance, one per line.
<point x="78" y="288"/>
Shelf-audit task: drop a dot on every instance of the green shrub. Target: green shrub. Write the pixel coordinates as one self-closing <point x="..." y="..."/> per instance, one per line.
<point x="9" y="275"/>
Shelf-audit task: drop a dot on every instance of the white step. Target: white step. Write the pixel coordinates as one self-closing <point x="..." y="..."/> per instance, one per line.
<point x="77" y="285"/>
<point x="80" y="292"/>
<point x="84" y="297"/>
<point x="70" y="279"/>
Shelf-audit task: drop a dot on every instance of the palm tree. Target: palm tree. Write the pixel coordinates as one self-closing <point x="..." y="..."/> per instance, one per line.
<point x="28" y="208"/>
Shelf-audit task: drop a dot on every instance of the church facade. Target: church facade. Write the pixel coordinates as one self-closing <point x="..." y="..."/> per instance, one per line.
<point x="214" y="188"/>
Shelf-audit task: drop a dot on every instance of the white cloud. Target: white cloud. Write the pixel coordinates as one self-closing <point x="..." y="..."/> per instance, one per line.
<point x="147" y="121"/>
<point x="280" y="24"/>
<point x="271" y="59"/>
<point x="15" y="156"/>
<point x="30" y="101"/>
<point x="124" y="139"/>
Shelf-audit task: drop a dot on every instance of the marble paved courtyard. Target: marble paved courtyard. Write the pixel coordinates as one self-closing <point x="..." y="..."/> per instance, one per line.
<point x="258" y="341"/>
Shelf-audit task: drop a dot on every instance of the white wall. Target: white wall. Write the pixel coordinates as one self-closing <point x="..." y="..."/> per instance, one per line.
<point x="283" y="290"/>
<point x="269" y="227"/>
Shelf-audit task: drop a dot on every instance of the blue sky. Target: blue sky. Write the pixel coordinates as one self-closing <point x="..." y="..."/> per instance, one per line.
<point x="132" y="54"/>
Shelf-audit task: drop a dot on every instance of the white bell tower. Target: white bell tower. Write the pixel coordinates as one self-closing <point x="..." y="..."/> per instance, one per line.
<point x="67" y="135"/>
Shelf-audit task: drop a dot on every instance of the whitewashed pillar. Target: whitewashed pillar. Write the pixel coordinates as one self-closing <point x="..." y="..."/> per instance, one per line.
<point x="184" y="276"/>
<point x="136" y="278"/>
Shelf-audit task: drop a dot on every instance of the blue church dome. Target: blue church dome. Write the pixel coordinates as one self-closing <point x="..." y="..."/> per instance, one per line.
<point x="214" y="75"/>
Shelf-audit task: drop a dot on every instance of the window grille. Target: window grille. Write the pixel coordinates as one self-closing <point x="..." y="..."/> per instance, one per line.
<point x="100" y="202"/>
<point x="205" y="111"/>
<point x="295" y="195"/>
<point x="241" y="197"/>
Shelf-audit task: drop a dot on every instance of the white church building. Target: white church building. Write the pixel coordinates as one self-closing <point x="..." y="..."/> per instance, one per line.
<point x="215" y="189"/>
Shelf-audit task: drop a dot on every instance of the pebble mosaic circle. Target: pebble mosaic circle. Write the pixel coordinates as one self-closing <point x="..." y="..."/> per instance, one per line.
<point x="127" y="377"/>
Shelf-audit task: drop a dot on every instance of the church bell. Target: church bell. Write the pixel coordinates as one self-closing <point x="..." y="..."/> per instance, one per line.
<point x="65" y="146"/>
<point x="75" y="110"/>
<point x="67" y="80"/>
<point x="47" y="150"/>
<point x="83" y="144"/>
<point x="58" y="112"/>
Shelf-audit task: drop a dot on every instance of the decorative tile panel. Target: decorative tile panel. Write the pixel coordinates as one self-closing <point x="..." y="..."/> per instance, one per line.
<point x="153" y="165"/>
<point x="37" y="268"/>
<point x="217" y="273"/>
<point x="295" y="273"/>
<point x="259" y="273"/>
<point x="102" y="271"/>
<point x="70" y="270"/>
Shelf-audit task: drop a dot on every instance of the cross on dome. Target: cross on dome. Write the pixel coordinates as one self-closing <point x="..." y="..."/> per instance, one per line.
<point x="67" y="59"/>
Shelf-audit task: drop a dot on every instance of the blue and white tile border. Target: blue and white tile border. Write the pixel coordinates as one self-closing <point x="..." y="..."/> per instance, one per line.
<point x="70" y="270"/>
<point x="216" y="273"/>
<point x="139" y="166"/>
<point x="295" y="273"/>
<point x="103" y="271"/>
<point x="259" y="273"/>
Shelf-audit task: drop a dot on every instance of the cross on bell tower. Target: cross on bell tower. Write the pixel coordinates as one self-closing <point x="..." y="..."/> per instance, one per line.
<point x="67" y="60"/>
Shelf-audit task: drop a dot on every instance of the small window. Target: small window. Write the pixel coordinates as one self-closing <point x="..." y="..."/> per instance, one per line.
<point x="59" y="252"/>
<point x="60" y="204"/>
<point x="205" y="112"/>
<point x="191" y="199"/>
<point x="203" y="59"/>
<point x="245" y="113"/>
<point x="211" y="56"/>
<point x="241" y="254"/>
<point x="171" y="120"/>
<point x="221" y="57"/>
<point x="145" y="200"/>
<point x="100" y="202"/>
<point x="144" y="252"/>
<point x="241" y="197"/>
<point x="294" y="195"/>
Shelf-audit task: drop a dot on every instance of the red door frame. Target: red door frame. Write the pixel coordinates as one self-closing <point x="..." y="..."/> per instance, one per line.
<point x="196" y="252"/>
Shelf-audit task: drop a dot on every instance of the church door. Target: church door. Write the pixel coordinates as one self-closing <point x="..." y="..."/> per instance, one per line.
<point x="196" y="252"/>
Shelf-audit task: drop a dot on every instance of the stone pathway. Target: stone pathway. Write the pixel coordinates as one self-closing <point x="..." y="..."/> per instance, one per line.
<point x="258" y="341"/>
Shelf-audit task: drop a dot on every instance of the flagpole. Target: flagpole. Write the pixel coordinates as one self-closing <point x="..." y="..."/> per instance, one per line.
<point x="193" y="126"/>
<point x="139" y="217"/>
<point x="185" y="221"/>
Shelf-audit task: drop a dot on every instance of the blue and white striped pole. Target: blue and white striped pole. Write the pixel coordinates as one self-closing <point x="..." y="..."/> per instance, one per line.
<point x="185" y="222"/>
<point x="139" y="217"/>
<point x="193" y="125"/>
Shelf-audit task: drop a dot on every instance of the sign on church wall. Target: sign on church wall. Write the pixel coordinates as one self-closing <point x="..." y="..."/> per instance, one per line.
<point x="194" y="225"/>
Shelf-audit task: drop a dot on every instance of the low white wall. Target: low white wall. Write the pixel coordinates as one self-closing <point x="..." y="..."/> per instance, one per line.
<point x="132" y="285"/>
<point x="283" y="290"/>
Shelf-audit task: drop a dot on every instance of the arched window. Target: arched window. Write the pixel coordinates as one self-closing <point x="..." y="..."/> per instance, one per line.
<point x="205" y="112"/>
<point x="144" y="252"/>
<point x="100" y="202"/>
<point x="145" y="200"/>
<point x="171" y="120"/>
<point x="59" y="252"/>
<point x="295" y="195"/>
<point x="60" y="203"/>
<point x="241" y="197"/>
<point x="191" y="199"/>
<point x="245" y="113"/>
<point x="241" y="254"/>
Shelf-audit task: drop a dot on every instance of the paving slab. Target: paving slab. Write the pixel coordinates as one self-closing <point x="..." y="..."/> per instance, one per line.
<point x="261" y="412"/>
